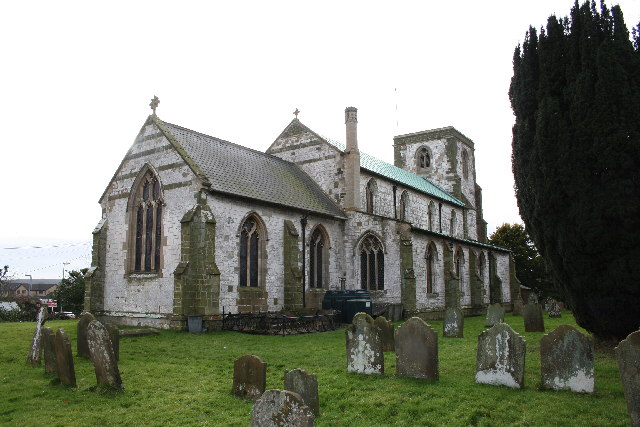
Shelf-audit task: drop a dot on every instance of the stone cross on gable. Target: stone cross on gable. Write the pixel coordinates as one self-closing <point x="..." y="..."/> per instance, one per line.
<point x="154" y="104"/>
<point x="296" y="113"/>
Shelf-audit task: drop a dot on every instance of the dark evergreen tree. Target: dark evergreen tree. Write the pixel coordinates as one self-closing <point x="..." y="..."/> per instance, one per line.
<point x="70" y="293"/>
<point x="575" y="93"/>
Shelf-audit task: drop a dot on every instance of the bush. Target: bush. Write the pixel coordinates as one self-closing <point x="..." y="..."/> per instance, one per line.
<point x="14" y="315"/>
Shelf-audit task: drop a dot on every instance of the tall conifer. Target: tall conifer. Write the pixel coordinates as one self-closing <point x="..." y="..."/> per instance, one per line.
<point x="575" y="93"/>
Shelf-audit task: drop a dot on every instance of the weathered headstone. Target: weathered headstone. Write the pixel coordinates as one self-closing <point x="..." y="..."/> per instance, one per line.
<point x="114" y="335"/>
<point x="500" y="358"/>
<point x="566" y="360"/>
<point x="495" y="315"/>
<point x="553" y="308"/>
<point x="453" y="326"/>
<point x="64" y="359"/>
<point x="628" y="355"/>
<point x="279" y="408"/>
<point x="306" y="385"/>
<point x="35" y="351"/>
<point x="249" y="376"/>
<point x="49" y="346"/>
<point x="386" y="333"/>
<point x="364" y="346"/>
<point x="417" y="350"/>
<point x="102" y="356"/>
<point x="533" y="319"/>
<point x="518" y="306"/>
<point x="83" y="323"/>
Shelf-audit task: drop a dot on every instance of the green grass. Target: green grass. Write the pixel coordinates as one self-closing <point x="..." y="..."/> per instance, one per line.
<point x="178" y="378"/>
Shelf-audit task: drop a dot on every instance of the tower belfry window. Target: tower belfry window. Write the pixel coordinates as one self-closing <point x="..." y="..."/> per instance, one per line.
<point x="424" y="158"/>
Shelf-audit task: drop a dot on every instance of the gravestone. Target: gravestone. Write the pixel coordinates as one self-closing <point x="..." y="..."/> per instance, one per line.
<point x="495" y="315"/>
<point x="49" y="346"/>
<point x="628" y="355"/>
<point x="533" y="319"/>
<point x="102" y="356"/>
<point x="364" y="346"/>
<point x="306" y="385"/>
<point x="566" y="360"/>
<point x="35" y="351"/>
<point x="114" y="335"/>
<point x="64" y="359"/>
<point x="417" y="350"/>
<point x="83" y="323"/>
<point x="453" y="326"/>
<point x="249" y="376"/>
<point x="500" y="358"/>
<point x="279" y="408"/>
<point x="553" y="308"/>
<point x="386" y="333"/>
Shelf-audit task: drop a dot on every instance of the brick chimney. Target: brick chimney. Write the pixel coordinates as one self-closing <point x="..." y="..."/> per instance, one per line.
<point x="352" y="160"/>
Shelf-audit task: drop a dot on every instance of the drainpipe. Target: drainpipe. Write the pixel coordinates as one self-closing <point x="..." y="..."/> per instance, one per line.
<point x="303" y="223"/>
<point x="395" y="207"/>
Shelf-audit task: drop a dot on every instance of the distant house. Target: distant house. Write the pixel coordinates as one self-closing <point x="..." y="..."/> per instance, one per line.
<point x="41" y="288"/>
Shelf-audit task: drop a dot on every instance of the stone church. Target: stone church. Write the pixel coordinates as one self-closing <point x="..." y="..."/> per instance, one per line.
<point x="194" y="225"/>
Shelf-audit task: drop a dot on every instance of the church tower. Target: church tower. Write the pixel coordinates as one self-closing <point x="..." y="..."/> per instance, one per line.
<point x="446" y="158"/>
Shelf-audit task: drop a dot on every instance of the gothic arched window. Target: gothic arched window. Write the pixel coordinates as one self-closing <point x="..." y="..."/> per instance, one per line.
<point x="371" y="263"/>
<point x="431" y="267"/>
<point x="370" y="195"/>
<point x="146" y="218"/>
<point x="318" y="259"/>
<point x="404" y="205"/>
<point x="423" y="158"/>
<point x="251" y="252"/>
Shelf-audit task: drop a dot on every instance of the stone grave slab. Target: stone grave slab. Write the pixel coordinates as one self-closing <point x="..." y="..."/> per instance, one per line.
<point x="533" y="319"/>
<point x="83" y="324"/>
<point x="364" y="346"/>
<point x="49" y="347"/>
<point x="628" y="356"/>
<point x="566" y="360"/>
<point x="417" y="350"/>
<point x="306" y="385"/>
<point x="64" y="359"/>
<point x="495" y="315"/>
<point x="102" y="356"/>
<point x="249" y="376"/>
<point x="386" y="333"/>
<point x="279" y="408"/>
<point x="35" y="351"/>
<point x="501" y="356"/>
<point x="453" y="326"/>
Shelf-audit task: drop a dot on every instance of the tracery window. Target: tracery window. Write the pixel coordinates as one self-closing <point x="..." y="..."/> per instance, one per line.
<point x="371" y="263"/>
<point x="317" y="259"/>
<point x="404" y="205"/>
<point x="431" y="268"/>
<point x="370" y="195"/>
<point x="146" y="217"/>
<point x="251" y="241"/>
<point x="423" y="158"/>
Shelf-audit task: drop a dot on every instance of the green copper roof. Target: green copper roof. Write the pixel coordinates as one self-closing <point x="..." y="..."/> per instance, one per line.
<point x="401" y="176"/>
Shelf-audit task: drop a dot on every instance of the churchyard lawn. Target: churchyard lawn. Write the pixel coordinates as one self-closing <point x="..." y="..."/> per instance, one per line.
<point x="178" y="378"/>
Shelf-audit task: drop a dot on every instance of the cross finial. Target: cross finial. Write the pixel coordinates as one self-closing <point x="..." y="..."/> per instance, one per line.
<point x="154" y="104"/>
<point x="295" y="113"/>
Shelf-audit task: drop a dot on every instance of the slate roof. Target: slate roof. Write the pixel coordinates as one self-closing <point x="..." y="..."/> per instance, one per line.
<point x="401" y="176"/>
<point x="240" y="171"/>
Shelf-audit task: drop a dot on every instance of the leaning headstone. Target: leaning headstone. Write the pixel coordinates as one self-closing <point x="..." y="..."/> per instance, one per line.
<point x="35" y="351"/>
<point x="364" y="346"/>
<point x="49" y="346"/>
<point x="83" y="323"/>
<point x="533" y="319"/>
<point x="500" y="358"/>
<point x="628" y="355"/>
<point x="553" y="308"/>
<point x="417" y="350"/>
<point x="566" y="360"/>
<point x="453" y="326"/>
<point x="495" y="315"/>
<point x="114" y="335"/>
<point x="249" y="376"/>
<point x="386" y="333"/>
<point x="306" y="385"/>
<point x="279" y="408"/>
<point x="64" y="359"/>
<point x="102" y="356"/>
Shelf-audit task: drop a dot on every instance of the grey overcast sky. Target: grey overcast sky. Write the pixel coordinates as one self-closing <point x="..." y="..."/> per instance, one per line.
<point x="77" y="77"/>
